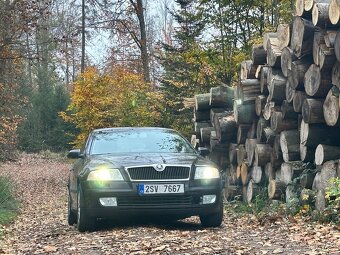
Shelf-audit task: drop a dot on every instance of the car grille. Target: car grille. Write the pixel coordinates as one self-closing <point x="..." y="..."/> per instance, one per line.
<point x="169" y="173"/>
<point x="147" y="201"/>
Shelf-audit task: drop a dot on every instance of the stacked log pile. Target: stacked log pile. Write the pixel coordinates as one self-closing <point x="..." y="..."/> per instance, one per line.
<point x="286" y="109"/>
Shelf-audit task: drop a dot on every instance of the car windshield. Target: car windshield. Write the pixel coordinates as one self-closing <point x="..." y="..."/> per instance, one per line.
<point x="139" y="141"/>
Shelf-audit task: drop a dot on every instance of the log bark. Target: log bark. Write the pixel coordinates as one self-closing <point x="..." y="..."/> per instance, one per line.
<point x="260" y="102"/>
<point x="257" y="175"/>
<point x="319" y="39"/>
<point x="270" y="135"/>
<point x="299" y="68"/>
<point x="302" y="36"/>
<point x="269" y="108"/>
<point x="278" y="124"/>
<point x="337" y="46"/>
<point x="334" y="12"/>
<point x="250" y="149"/>
<point x="269" y="171"/>
<point x="202" y="102"/>
<point x="260" y="134"/>
<point x="202" y="115"/>
<point x="216" y="113"/>
<point x="241" y="154"/>
<point x="248" y="70"/>
<point x="205" y="134"/>
<point x="320" y="200"/>
<point x="317" y="83"/>
<point x="277" y="88"/>
<point x="325" y="153"/>
<point x="328" y="171"/>
<point x="307" y="153"/>
<point x="330" y="38"/>
<point x="262" y="154"/>
<point x="290" y="91"/>
<point x="284" y="32"/>
<point x="242" y="132"/>
<point x="244" y="113"/>
<point x="298" y="100"/>
<point x="263" y="80"/>
<point x="244" y="173"/>
<point x="320" y="15"/>
<point x="248" y="89"/>
<point x="258" y="55"/>
<point x="331" y="107"/>
<point x="222" y="96"/>
<point x="252" y="131"/>
<point x="312" y="135"/>
<point x="290" y="145"/>
<point x="287" y="57"/>
<point x="326" y="58"/>
<point x="233" y="153"/>
<point x="199" y="125"/>
<point x="307" y="178"/>
<point x="252" y="191"/>
<point x="288" y="111"/>
<point x="266" y="38"/>
<point x="291" y="170"/>
<point x="276" y="190"/>
<point x="226" y="130"/>
<point x="273" y="52"/>
<point x="336" y="74"/>
<point x="312" y="111"/>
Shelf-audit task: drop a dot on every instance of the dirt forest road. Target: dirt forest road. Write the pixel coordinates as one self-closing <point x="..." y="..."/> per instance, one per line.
<point x="41" y="227"/>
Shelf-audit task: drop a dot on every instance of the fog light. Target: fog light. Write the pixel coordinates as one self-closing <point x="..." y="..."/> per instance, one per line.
<point x="208" y="199"/>
<point x="108" y="201"/>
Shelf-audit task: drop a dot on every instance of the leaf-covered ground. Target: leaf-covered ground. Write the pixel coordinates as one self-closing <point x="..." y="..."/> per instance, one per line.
<point x="41" y="227"/>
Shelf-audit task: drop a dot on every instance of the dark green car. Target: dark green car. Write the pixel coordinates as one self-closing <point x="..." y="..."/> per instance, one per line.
<point x="142" y="171"/>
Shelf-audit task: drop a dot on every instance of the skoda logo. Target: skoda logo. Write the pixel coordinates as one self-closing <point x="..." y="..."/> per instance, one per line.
<point x="159" y="167"/>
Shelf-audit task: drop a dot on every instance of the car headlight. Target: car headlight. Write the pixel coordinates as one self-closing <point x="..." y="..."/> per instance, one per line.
<point x="206" y="172"/>
<point x="105" y="174"/>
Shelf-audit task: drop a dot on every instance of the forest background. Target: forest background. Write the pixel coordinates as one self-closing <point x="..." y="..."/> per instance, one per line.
<point x="57" y="82"/>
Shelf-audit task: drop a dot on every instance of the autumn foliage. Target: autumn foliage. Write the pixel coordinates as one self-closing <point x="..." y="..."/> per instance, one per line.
<point x="119" y="98"/>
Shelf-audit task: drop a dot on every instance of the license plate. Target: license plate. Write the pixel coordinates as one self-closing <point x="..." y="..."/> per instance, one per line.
<point x="145" y="189"/>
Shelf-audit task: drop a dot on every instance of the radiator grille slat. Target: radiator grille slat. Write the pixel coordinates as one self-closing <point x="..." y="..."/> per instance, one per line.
<point x="155" y="201"/>
<point x="150" y="173"/>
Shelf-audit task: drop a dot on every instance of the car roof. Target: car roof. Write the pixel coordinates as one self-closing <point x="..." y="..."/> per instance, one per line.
<point x="129" y="128"/>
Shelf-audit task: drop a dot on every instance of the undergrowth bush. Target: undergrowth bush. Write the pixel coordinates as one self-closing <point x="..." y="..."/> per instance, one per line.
<point x="8" y="204"/>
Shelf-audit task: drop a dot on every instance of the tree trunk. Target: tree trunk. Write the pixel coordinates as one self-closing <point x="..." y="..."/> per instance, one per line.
<point x="328" y="171"/>
<point x="269" y="108"/>
<point x="270" y="135"/>
<point x="242" y="132"/>
<point x="262" y="154"/>
<point x="202" y="102"/>
<point x="291" y="170"/>
<point x="284" y="32"/>
<point x="260" y="102"/>
<point x="217" y="113"/>
<point x="312" y="111"/>
<point x="277" y="88"/>
<point x="244" y="114"/>
<point x="269" y="171"/>
<point x="221" y="97"/>
<point x="320" y="200"/>
<point x="226" y="129"/>
<point x="331" y="107"/>
<point x="244" y="173"/>
<point x="337" y="46"/>
<point x="205" y="134"/>
<point x="278" y="124"/>
<point x="307" y="178"/>
<point x="201" y="115"/>
<point x="299" y="68"/>
<point x="336" y="74"/>
<point x="273" y="52"/>
<point x="259" y="55"/>
<point x="325" y="153"/>
<point x="250" y="149"/>
<point x="263" y="80"/>
<point x="288" y="111"/>
<point x="252" y="191"/>
<point x="199" y="125"/>
<point x="276" y="190"/>
<point x="287" y="57"/>
<point x="290" y="145"/>
<point x="233" y="153"/>
<point x="312" y="135"/>
<point x="290" y="91"/>
<point x="300" y="9"/>
<point x="320" y="15"/>
<point x="248" y="70"/>
<point x="266" y="38"/>
<point x="248" y="89"/>
<point x="317" y="83"/>
<point x="302" y="36"/>
<point x="241" y="154"/>
<point x="298" y="100"/>
<point x="327" y="58"/>
<point x="260" y="134"/>
<point x="334" y="12"/>
<point x="330" y="38"/>
<point x="307" y="153"/>
<point x="319" y="39"/>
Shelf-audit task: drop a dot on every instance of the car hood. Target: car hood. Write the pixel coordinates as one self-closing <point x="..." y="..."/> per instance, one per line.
<point x="124" y="160"/>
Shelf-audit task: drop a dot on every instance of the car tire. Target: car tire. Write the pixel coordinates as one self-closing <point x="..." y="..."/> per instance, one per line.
<point x="84" y="222"/>
<point x="213" y="219"/>
<point x="71" y="216"/>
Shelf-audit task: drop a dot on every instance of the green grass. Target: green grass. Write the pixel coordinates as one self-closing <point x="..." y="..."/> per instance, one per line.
<point x="8" y="204"/>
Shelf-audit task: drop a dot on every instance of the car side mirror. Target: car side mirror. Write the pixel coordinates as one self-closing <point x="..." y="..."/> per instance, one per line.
<point x="74" y="154"/>
<point x="203" y="151"/>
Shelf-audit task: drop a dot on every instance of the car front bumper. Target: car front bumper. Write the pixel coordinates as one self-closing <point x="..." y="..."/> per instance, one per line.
<point x="130" y="203"/>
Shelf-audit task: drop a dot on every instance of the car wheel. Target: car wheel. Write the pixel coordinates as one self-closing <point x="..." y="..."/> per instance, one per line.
<point x="71" y="216"/>
<point x="213" y="219"/>
<point x="84" y="223"/>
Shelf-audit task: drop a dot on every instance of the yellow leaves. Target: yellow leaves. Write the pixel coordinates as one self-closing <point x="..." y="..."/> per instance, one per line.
<point x="120" y="98"/>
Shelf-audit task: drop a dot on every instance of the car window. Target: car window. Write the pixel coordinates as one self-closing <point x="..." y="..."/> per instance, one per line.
<point x="139" y="141"/>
